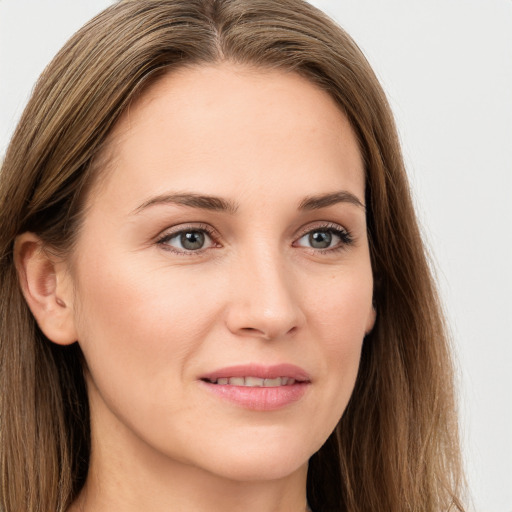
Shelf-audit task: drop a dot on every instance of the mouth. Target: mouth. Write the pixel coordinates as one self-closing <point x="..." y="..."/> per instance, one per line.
<point x="258" y="388"/>
<point x="257" y="376"/>
<point x="253" y="382"/>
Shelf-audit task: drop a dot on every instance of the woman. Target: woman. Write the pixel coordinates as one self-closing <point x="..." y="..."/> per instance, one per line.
<point x="214" y="292"/>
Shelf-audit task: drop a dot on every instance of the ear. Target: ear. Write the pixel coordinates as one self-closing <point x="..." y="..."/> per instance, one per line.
<point x="370" y="322"/>
<point x="47" y="288"/>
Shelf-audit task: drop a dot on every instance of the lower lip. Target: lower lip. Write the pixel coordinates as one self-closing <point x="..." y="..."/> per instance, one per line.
<point x="259" y="398"/>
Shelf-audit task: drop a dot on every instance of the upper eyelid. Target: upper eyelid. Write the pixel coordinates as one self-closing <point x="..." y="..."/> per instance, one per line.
<point x="165" y="237"/>
<point x="176" y="230"/>
<point x="346" y="236"/>
<point x="214" y="234"/>
<point x="321" y="225"/>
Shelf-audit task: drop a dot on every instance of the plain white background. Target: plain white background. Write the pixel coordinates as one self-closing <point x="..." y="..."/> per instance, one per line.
<point x="446" y="66"/>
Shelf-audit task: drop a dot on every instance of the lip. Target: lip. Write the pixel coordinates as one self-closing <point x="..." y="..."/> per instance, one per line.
<point x="258" y="398"/>
<point x="261" y="371"/>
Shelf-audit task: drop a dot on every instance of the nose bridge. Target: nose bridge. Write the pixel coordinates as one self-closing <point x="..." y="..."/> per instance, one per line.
<point x="264" y="299"/>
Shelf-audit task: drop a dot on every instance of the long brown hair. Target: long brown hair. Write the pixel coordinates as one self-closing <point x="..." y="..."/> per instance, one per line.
<point x="396" y="447"/>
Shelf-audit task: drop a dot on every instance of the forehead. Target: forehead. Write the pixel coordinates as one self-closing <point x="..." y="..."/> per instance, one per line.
<point x="228" y="126"/>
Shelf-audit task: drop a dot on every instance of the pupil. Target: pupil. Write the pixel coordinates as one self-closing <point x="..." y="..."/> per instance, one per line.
<point x="192" y="240"/>
<point x="320" y="239"/>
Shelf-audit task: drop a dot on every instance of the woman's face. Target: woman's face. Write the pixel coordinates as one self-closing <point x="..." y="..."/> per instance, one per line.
<point x="222" y="277"/>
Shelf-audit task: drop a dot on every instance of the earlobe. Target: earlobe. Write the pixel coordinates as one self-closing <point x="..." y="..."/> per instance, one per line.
<point x="46" y="288"/>
<point x="371" y="321"/>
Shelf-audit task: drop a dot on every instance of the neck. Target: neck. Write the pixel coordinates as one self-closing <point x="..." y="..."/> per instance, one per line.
<point x="126" y="474"/>
<point x="186" y="488"/>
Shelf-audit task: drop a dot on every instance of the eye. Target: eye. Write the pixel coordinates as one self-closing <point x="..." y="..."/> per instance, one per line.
<point x="325" y="238"/>
<point x="188" y="240"/>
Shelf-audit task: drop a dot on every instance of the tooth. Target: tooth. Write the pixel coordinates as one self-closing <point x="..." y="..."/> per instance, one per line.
<point x="253" y="382"/>
<point x="272" y="383"/>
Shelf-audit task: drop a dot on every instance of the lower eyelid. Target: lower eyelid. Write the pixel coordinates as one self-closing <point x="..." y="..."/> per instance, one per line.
<point x="345" y="239"/>
<point x="343" y="234"/>
<point x="166" y="238"/>
<point x="337" y="243"/>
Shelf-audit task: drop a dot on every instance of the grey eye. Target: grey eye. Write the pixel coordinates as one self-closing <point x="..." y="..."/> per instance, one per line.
<point x="189" y="240"/>
<point x="320" y="239"/>
<point x="324" y="238"/>
<point x="192" y="240"/>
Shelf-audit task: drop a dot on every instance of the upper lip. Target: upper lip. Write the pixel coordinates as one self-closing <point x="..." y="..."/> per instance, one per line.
<point x="259" y="371"/>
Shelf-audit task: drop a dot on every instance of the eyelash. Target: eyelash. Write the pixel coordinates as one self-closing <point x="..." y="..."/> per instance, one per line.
<point x="343" y="234"/>
<point x="200" y="228"/>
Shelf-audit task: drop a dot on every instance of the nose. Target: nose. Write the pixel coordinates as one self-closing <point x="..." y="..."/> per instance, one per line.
<point x="264" y="299"/>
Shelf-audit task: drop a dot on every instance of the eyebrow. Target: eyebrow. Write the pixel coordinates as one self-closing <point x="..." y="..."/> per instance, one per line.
<point x="212" y="203"/>
<point x="330" y="199"/>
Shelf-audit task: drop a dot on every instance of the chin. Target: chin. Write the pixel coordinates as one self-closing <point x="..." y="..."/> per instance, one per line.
<point x="255" y="470"/>
<point x="260" y="460"/>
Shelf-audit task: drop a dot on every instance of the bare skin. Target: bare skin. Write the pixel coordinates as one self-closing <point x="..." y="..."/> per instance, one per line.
<point x="228" y="229"/>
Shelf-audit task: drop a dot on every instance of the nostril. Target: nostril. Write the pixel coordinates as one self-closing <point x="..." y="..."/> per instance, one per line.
<point x="253" y="331"/>
<point x="257" y="318"/>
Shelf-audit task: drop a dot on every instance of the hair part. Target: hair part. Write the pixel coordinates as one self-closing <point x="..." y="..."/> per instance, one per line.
<point x="396" y="447"/>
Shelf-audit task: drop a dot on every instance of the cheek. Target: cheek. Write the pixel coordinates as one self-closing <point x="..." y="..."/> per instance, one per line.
<point x="140" y="322"/>
<point x="342" y="307"/>
<point x="342" y="316"/>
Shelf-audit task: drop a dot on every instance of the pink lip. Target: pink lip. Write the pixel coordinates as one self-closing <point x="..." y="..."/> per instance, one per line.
<point x="260" y="371"/>
<point x="259" y="398"/>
